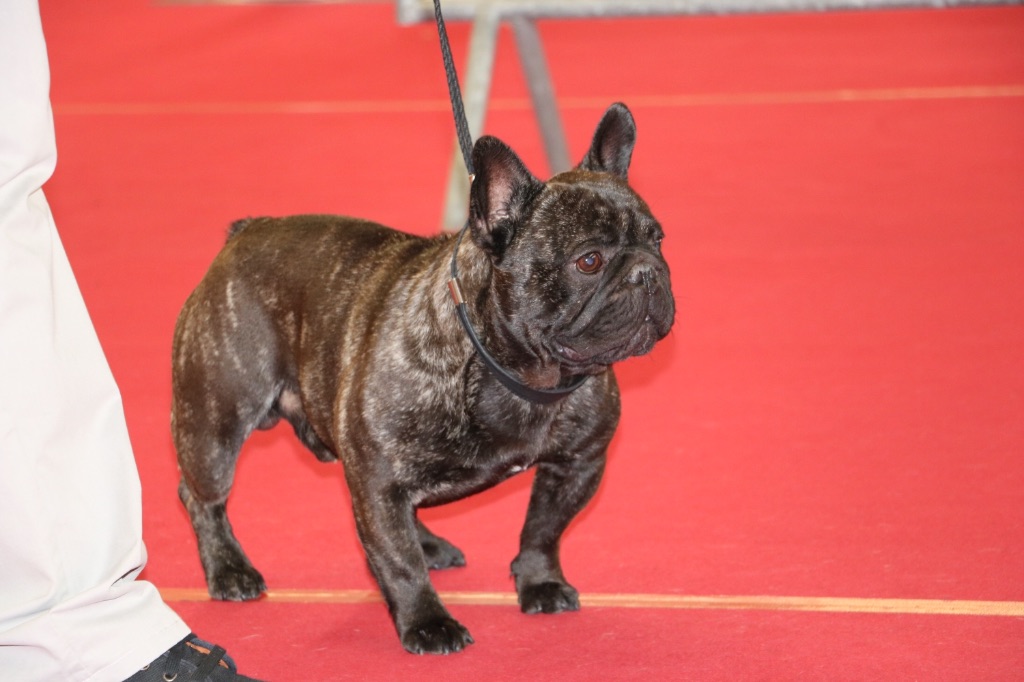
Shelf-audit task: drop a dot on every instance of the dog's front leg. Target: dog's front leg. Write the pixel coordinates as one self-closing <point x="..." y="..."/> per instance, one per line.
<point x="386" y="522"/>
<point x="560" y="491"/>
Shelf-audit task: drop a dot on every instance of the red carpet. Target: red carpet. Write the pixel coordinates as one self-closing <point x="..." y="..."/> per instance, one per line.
<point x="838" y="412"/>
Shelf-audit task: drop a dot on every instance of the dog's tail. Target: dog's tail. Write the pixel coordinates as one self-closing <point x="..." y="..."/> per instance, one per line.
<point x="240" y="225"/>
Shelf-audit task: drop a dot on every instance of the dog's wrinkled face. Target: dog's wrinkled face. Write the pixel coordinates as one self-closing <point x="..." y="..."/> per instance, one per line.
<point x="606" y="282"/>
<point x="577" y="260"/>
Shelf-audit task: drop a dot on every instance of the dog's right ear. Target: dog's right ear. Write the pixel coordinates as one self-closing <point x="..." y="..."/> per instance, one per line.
<point x="500" y="191"/>
<point x="612" y="146"/>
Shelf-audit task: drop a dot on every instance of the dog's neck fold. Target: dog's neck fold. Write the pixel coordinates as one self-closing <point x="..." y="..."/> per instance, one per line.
<point x="514" y="384"/>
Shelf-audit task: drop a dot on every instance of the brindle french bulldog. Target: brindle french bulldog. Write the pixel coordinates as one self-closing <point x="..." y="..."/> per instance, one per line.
<point x="347" y="330"/>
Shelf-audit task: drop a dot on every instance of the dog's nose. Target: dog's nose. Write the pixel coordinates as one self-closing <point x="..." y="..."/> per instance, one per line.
<point x="641" y="274"/>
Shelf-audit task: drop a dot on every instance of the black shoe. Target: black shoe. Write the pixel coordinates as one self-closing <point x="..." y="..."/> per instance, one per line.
<point x="191" y="660"/>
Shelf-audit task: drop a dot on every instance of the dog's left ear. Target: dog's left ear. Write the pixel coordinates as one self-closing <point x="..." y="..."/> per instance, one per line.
<point x="612" y="146"/>
<point x="501" y="190"/>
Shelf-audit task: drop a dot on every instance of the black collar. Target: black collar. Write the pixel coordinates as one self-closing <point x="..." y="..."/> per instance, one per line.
<point x="534" y="395"/>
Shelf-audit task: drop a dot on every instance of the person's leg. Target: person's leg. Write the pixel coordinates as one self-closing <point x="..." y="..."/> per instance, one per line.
<point x="70" y="503"/>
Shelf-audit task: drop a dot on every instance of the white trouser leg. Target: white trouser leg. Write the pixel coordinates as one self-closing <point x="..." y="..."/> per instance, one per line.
<point x="70" y="501"/>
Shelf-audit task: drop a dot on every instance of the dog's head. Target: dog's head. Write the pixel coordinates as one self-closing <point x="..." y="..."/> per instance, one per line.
<point x="578" y="281"/>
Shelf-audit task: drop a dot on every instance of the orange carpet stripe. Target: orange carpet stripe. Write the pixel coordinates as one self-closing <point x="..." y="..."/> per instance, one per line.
<point x="656" y="601"/>
<point x="512" y="104"/>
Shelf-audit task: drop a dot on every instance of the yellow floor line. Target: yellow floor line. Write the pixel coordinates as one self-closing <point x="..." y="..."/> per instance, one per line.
<point x="656" y="601"/>
<point x="517" y="104"/>
<point x="807" y="97"/>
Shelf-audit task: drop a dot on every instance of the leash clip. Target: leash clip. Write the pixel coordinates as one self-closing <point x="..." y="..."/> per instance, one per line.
<point x="456" y="291"/>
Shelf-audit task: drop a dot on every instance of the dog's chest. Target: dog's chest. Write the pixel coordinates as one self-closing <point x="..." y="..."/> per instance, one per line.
<point x="494" y="448"/>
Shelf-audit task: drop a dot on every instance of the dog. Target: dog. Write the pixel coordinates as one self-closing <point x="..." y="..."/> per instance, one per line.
<point x="347" y="329"/>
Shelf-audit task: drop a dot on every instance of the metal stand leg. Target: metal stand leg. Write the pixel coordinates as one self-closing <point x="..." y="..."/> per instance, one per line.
<point x="542" y="92"/>
<point x="476" y="88"/>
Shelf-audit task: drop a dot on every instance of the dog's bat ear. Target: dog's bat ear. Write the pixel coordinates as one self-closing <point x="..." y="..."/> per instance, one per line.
<point x="501" y="189"/>
<point x="612" y="146"/>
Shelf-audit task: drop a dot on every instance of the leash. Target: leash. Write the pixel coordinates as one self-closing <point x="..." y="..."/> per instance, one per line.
<point x="454" y="92"/>
<point x="534" y="395"/>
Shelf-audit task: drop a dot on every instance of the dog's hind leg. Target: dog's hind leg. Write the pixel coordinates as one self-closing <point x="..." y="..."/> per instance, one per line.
<point x="229" y="573"/>
<point x="438" y="552"/>
<point x="218" y="401"/>
<point x="207" y="460"/>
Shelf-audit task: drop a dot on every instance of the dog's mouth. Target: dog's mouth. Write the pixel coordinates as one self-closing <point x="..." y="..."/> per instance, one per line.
<point x="569" y="353"/>
<point x="585" y="357"/>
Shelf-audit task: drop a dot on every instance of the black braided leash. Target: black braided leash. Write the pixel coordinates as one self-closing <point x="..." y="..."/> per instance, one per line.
<point x="454" y="93"/>
<point x="534" y="395"/>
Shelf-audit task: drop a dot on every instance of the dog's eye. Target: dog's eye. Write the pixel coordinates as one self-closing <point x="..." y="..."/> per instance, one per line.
<point x="589" y="263"/>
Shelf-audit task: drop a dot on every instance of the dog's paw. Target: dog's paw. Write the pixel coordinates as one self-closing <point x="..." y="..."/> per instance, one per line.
<point x="441" y="554"/>
<point x="549" y="597"/>
<point x="236" y="584"/>
<point x="441" y="635"/>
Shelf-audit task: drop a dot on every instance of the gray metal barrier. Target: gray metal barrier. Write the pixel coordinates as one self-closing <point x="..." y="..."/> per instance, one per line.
<point x="487" y="15"/>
